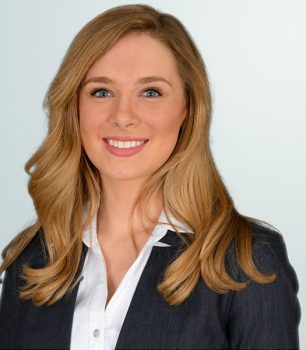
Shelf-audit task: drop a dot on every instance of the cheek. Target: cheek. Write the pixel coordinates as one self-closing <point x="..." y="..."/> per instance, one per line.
<point x="166" y="122"/>
<point x="165" y="129"/>
<point x="88" y="131"/>
<point x="89" y="120"/>
<point x="88" y="113"/>
<point x="83" y="116"/>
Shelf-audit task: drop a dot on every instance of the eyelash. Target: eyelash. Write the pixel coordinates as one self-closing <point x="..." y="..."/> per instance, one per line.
<point x="97" y="90"/>
<point x="156" y="90"/>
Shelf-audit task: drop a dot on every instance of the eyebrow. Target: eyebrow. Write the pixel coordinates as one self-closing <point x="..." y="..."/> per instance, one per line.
<point x="143" y="80"/>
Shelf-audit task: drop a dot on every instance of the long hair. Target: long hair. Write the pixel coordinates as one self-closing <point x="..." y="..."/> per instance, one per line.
<point x="63" y="180"/>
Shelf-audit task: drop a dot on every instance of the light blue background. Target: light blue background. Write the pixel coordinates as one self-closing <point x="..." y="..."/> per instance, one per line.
<point x="255" y="54"/>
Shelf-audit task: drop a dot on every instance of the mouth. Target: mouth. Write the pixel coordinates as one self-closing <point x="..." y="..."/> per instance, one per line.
<point x="126" y="143"/>
<point x="124" y="148"/>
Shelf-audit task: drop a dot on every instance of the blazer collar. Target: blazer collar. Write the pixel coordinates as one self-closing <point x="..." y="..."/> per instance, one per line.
<point x="173" y="239"/>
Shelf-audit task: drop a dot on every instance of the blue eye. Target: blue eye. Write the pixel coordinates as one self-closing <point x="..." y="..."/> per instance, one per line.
<point x="100" y="93"/>
<point x="152" y="93"/>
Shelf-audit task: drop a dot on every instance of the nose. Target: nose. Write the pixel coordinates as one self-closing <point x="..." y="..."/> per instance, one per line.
<point x="123" y="113"/>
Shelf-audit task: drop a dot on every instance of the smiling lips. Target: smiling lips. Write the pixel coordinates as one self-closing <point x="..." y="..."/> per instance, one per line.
<point x="124" y="146"/>
<point x="124" y="138"/>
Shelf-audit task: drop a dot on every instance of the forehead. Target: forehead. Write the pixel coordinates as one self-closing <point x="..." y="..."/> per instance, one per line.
<point x="136" y="54"/>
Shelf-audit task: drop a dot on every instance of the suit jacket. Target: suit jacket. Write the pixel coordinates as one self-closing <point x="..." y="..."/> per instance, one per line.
<point x="262" y="316"/>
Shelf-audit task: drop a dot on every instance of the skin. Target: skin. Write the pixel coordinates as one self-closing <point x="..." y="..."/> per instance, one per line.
<point x="127" y="107"/>
<point x="124" y="106"/>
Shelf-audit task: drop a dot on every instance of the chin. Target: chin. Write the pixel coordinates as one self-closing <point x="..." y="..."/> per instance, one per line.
<point x="126" y="176"/>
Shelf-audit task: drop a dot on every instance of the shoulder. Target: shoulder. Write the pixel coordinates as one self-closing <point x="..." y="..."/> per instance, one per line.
<point x="269" y="250"/>
<point x="34" y="255"/>
<point x="265" y="233"/>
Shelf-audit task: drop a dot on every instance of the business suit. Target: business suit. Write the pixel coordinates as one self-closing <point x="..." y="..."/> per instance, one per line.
<point x="259" y="317"/>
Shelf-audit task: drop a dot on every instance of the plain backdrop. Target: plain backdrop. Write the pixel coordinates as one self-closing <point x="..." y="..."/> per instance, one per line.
<point x="255" y="54"/>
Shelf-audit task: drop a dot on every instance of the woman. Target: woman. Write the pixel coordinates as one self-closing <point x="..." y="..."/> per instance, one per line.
<point x="137" y="243"/>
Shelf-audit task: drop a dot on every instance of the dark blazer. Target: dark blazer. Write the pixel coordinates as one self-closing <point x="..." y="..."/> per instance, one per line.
<point x="262" y="316"/>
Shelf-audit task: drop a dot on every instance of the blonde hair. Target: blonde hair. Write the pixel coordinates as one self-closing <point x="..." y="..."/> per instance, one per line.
<point x="63" y="180"/>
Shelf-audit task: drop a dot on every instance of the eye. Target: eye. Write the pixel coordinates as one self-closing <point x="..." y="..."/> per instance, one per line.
<point x="100" y="93"/>
<point x="152" y="92"/>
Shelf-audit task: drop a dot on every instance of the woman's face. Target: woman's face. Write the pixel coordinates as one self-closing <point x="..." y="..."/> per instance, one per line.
<point x="133" y="92"/>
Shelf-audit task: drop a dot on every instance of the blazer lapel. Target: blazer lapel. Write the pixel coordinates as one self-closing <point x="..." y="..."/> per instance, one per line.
<point x="141" y="322"/>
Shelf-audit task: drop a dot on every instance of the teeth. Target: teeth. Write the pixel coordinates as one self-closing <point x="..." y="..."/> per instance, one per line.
<point x="124" y="144"/>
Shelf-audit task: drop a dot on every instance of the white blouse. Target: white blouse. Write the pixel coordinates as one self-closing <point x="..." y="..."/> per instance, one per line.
<point x="97" y="327"/>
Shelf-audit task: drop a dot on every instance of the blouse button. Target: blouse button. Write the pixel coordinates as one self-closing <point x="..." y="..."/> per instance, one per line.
<point x="96" y="333"/>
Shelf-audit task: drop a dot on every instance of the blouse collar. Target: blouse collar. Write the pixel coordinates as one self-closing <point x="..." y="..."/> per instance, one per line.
<point x="160" y="230"/>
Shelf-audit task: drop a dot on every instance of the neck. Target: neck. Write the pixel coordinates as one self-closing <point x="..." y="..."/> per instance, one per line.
<point x="115" y="213"/>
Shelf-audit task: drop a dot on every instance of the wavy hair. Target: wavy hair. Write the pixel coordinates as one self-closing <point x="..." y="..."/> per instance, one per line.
<point x="63" y="180"/>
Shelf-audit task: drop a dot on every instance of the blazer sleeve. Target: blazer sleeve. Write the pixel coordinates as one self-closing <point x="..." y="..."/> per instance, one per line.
<point x="9" y="308"/>
<point x="266" y="316"/>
